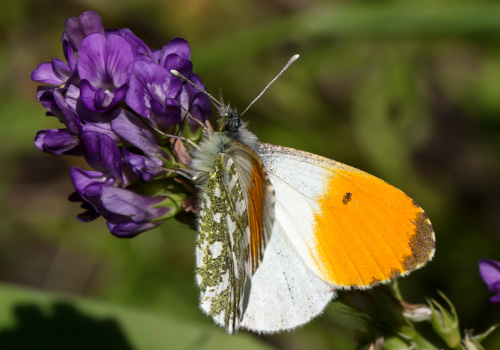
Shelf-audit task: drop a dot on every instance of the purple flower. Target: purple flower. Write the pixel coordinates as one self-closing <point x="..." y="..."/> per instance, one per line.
<point x="57" y="72"/>
<point x="88" y="186"/>
<point x="134" y="131"/>
<point x="102" y="153"/>
<point x="56" y="105"/>
<point x="175" y="55"/>
<point x="78" y="28"/>
<point x="490" y="272"/>
<point x="67" y="115"/>
<point x="194" y="101"/>
<point x="58" y="141"/>
<point x="116" y="99"/>
<point x="105" y="64"/>
<point x="130" y="213"/>
<point x="141" y="166"/>
<point x="152" y="94"/>
<point x="176" y="46"/>
<point x="126" y="212"/>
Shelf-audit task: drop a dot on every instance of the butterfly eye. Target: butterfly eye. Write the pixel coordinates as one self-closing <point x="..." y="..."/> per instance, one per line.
<point x="233" y="121"/>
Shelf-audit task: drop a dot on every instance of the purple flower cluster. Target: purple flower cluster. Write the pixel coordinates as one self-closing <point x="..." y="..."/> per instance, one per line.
<point x="117" y="101"/>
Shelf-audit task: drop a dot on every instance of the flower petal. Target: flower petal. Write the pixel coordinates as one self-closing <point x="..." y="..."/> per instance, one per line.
<point x="102" y="153"/>
<point x="490" y="271"/>
<point x="88" y="184"/>
<point x="101" y="128"/>
<point x="105" y="61"/>
<point x="92" y="61"/>
<point x="99" y="100"/>
<point x="140" y="49"/>
<point x="45" y="95"/>
<point x="133" y="130"/>
<point x="177" y="46"/>
<point x="132" y="205"/>
<point x="495" y="299"/>
<point x="131" y="229"/>
<point x="195" y="101"/>
<point x="70" y="118"/>
<point x="200" y="108"/>
<point x="167" y="116"/>
<point x="173" y="61"/>
<point x="78" y="28"/>
<point x="88" y="94"/>
<point x="142" y="167"/>
<point x="119" y="59"/>
<point x="131" y="213"/>
<point x="90" y="213"/>
<point x="61" y="69"/>
<point x="55" y="141"/>
<point x="150" y="82"/>
<point x="69" y="53"/>
<point x="45" y="74"/>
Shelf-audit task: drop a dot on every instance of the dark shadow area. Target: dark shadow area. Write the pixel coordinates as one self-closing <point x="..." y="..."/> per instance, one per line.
<point x="64" y="327"/>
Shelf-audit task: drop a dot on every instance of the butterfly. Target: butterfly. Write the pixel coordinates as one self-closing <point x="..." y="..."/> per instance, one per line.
<point x="281" y="230"/>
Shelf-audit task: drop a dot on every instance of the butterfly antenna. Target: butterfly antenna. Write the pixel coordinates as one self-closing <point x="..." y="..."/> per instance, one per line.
<point x="182" y="138"/>
<point x="203" y="91"/>
<point x="289" y="63"/>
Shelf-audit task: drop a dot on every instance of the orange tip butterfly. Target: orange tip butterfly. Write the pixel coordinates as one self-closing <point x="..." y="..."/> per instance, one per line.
<point x="280" y="230"/>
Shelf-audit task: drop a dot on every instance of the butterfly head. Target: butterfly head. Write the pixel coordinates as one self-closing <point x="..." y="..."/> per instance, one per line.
<point x="231" y="126"/>
<point x="230" y="120"/>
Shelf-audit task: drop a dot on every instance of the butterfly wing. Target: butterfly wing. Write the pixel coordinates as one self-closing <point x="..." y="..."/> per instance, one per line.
<point x="259" y="197"/>
<point x="350" y="228"/>
<point x="234" y="224"/>
<point x="284" y="292"/>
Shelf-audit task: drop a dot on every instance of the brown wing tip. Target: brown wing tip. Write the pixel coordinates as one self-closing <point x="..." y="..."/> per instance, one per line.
<point x="422" y="243"/>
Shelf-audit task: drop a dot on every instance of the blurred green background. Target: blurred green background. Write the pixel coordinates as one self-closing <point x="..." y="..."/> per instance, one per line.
<point x="408" y="91"/>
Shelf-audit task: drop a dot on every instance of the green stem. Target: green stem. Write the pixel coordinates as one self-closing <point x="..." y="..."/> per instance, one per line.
<point x="394" y="286"/>
<point x="417" y="338"/>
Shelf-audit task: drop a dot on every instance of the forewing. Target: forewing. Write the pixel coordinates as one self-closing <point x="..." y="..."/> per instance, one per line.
<point x="351" y="228"/>
<point x="259" y="195"/>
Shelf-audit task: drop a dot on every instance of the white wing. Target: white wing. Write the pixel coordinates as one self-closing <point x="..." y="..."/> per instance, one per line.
<point x="284" y="292"/>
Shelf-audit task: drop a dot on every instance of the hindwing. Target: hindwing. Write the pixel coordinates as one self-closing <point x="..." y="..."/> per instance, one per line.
<point x="235" y="221"/>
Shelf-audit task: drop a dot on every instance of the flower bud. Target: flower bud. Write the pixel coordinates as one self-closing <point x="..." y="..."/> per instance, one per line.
<point x="444" y="322"/>
<point x="416" y="312"/>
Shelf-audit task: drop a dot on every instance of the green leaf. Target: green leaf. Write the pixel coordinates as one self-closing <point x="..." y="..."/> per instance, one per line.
<point x="31" y="319"/>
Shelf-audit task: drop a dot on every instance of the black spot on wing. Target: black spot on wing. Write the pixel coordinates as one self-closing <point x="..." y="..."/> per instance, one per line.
<point x="347" y="198"/>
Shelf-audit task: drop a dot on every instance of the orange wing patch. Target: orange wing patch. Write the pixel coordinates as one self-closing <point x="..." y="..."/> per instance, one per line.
<point x="368" y="231"/>
<point x="255" y="216"/>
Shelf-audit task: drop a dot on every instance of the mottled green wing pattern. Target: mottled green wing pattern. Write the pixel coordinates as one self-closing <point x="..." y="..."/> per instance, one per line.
<point x="222" y="248"/>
